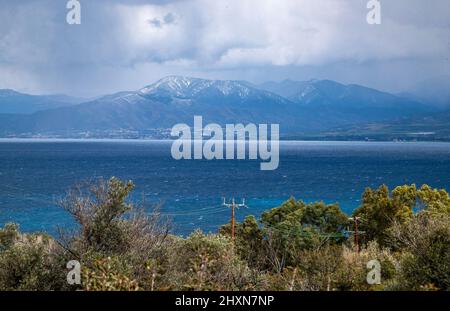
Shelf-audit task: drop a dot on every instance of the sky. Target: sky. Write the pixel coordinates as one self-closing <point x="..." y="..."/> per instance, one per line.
<point x="127" y="44"/>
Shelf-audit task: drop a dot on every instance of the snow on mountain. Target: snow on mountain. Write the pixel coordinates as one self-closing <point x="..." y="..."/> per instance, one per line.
<point x="186" y="87"/>
<point x="327" y="94"/>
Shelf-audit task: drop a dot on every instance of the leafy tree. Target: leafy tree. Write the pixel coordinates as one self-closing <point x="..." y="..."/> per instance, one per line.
<point x="380" y="209"/>
<point x="99" y="210"/>
<point x="436" y="201"/>
<point x="111" y="227"/>
<point x="295" y="226"/>
<point x="319" y="216"/>
<point x="249" y="241"/>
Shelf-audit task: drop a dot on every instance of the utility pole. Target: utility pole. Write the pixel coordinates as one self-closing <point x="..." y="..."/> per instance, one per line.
<point x="356" y="232"/>
<point x="233" y="206"/>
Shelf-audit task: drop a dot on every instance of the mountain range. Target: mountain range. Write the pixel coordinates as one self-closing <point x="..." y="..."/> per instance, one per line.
<point x="305" y="108"/>
<point x="13" y="102"/>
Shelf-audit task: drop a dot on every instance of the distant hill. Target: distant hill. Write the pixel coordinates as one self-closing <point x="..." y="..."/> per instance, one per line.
<point x="353" y="103"/>
<point x="12" y="102"/>
<point x="299" y="107"/>
<point x="431" y="127"/>
<point x="434" y="91"/>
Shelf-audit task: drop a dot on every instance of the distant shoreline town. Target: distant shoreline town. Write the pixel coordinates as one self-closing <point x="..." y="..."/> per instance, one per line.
<point x="164" y="134"/>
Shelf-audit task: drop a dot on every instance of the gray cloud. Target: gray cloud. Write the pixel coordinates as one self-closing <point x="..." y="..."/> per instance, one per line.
<point x="127" y="44"/>
<point x="168" y="19"/>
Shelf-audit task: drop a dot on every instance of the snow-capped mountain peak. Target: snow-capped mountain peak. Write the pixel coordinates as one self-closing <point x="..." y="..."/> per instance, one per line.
<point x="187" y="87"/>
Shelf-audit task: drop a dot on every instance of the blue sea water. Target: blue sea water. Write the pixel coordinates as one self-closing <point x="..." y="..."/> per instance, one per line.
<point x="34" y="174"/>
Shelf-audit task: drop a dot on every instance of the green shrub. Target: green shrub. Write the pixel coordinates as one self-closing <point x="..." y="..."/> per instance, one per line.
<point x="8" y="236"/>
<point x="31" y="263"/>
<point x="209" y="262"/>
<point x="108" y="274"/>
<point x="426" y="252"/>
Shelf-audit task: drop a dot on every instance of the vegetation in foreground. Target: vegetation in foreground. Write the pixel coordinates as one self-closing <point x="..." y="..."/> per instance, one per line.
<point x="295" y="246"/>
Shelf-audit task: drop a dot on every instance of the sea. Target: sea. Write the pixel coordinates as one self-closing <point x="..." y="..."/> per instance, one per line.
<point x="35" y="174"/>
